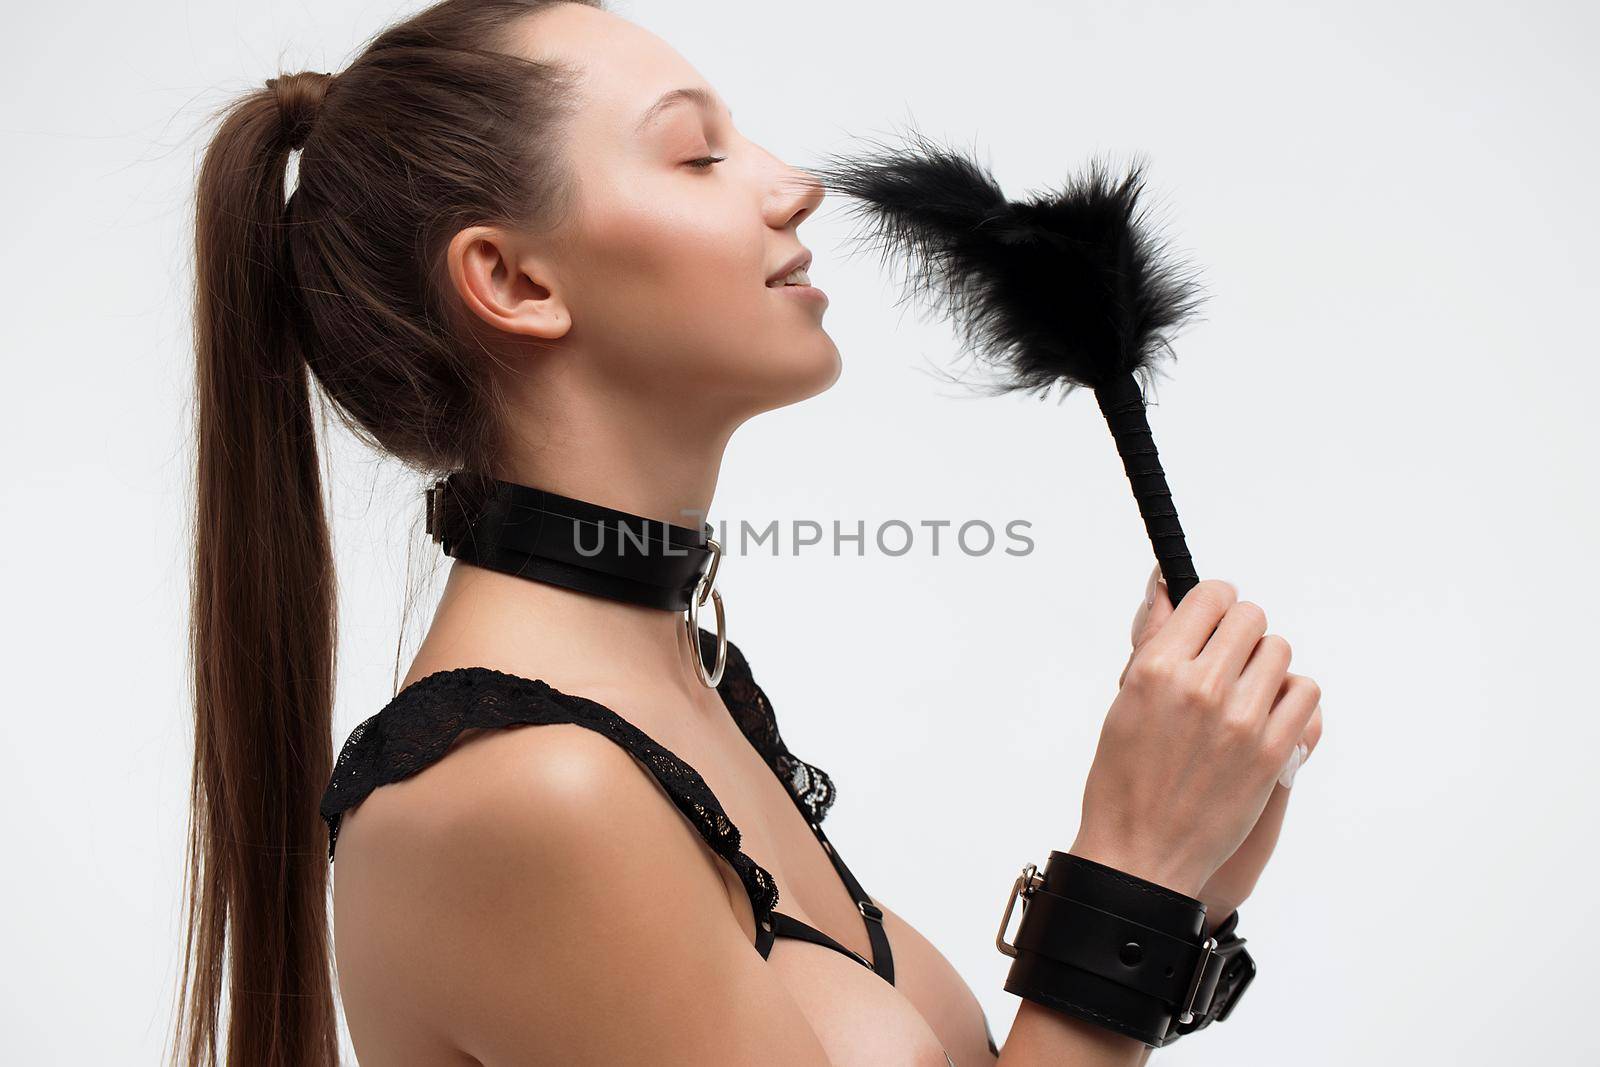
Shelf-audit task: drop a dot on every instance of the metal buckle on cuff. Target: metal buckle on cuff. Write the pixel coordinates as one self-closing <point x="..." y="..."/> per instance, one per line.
<point x="1240" y="984"/>
<point x="1029" y="880"/>
<point x="1186" y="1016"/>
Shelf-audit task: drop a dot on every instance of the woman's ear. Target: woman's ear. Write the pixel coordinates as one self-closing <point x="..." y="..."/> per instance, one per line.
<point x="506" y="284"/>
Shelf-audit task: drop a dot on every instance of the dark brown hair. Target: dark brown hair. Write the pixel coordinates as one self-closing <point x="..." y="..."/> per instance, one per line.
<point x="436" y="126"/>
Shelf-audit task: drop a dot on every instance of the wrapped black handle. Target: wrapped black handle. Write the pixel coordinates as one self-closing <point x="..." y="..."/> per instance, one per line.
<point x="1122" y="403"/>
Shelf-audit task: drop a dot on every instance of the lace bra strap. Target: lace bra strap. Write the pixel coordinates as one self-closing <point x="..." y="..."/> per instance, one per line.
<point x="417" y="728"/>
<point x="809" y="787"/>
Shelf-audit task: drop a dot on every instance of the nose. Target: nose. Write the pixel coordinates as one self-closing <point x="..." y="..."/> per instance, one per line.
<point x="796" y="194"/>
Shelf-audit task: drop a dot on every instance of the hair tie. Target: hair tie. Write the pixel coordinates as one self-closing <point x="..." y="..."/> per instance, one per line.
<point x="299" y="97"/>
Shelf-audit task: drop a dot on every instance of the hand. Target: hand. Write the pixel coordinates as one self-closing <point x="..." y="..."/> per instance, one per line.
<point x="1235" y="880"/>
<point x="1205" y="720"/>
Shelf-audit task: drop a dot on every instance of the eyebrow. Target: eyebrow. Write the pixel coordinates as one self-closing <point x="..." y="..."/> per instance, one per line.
<point x="689" y="95"/>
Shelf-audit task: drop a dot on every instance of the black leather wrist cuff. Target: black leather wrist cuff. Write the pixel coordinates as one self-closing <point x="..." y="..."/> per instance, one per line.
<point x="1122" y="952"/>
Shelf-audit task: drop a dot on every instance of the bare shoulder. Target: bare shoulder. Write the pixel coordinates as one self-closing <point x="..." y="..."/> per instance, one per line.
<point x="512" y="779"/>
<point x="537" y="889"/>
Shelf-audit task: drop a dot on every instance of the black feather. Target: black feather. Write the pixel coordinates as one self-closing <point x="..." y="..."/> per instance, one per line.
<point x="1069" y="287"/>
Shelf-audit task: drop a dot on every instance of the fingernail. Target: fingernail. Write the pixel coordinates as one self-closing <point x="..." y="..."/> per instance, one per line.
<point x="1296" y="758"/>
<point x="1150" y="587"/>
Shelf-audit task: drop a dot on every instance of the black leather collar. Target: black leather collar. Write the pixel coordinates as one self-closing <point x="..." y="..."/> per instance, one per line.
<point x="547" y="537"/>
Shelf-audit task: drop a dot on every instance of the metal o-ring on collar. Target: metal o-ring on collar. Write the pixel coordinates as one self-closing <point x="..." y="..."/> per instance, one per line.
<point x="691" y="620"/>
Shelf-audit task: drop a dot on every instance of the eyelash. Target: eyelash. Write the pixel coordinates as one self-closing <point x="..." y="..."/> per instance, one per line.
<point x="706" y="162"/>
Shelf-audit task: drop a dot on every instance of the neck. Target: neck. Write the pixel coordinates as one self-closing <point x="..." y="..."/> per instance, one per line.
<point x="628" y="452"/>
<point x="591" y="642"/>
<point x="572" y="639"/>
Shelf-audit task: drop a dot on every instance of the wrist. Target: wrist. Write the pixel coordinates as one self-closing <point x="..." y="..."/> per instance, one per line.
<point x="1159" y="870"/>
<point x="1217" y="911"/>
<point x="1117" y="949"/>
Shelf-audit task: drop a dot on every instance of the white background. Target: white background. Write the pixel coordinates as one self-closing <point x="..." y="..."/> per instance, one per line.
<point x="1382" y="432"/>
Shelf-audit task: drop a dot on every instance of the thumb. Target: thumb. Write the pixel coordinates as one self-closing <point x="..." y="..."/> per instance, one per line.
<point x="1155" y="610"/>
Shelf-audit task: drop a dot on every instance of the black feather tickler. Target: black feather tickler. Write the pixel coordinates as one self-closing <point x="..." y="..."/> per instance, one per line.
<point x="1069" y="288"/>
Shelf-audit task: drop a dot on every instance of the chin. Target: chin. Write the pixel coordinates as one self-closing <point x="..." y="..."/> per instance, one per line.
<point x="797" y="376"/>
<point x="815" y="371"/>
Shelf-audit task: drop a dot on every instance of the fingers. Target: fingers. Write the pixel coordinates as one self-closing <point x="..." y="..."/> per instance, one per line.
<point x="1153" y="611"/>
<point x="1289" y="723"/>
<point x="1313" y="731"/>
<point x="1184" y="634"/>
<point x="1262" y="679"/>
<point x="1230" y="647"/>
<point x="1136" y="629"/>
<point x="1291" y="767"/>
<point x="1302" y="749"/>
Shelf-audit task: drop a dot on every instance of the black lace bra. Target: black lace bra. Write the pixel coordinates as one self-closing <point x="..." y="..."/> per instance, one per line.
<point x="419" y="725"/>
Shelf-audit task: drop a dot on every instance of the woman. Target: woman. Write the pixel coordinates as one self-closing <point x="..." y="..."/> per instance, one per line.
<point x="516" y="248"/>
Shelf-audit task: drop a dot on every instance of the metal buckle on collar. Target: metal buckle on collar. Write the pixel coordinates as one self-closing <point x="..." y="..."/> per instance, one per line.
<point x="432" y="524"/>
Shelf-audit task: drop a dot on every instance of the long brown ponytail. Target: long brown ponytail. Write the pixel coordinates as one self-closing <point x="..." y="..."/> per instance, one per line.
<point x="436" y="126"/>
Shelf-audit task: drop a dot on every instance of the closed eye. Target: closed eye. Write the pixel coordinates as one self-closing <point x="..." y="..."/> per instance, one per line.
<point x="706" y="162"/>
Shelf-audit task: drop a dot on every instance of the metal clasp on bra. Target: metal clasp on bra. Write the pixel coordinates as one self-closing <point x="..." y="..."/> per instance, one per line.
<point x="870" y="910"/>
<point x="1029" y="880"/>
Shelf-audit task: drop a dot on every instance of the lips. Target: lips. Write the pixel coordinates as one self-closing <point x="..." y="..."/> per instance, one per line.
<point x="801" y="258"/>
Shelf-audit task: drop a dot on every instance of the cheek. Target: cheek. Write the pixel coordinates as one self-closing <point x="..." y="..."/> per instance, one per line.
<point x="679" y="287"/>
<point x="657" y="248"/>
<point x="677" y="296"/>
